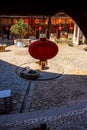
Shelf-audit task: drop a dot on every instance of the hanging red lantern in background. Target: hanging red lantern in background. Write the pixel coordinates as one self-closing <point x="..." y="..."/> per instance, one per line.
<point x="37" y="21"/>
<point x="60" y="21"/>
<point x="46" y="22"/>
<point x="40" y="28"/>
<point x="7" y="28"/>
<point x="60" y="28"/>
<point x="27" y="21"/>
<point x="70" y="20"/>
<point x="14" y="21"/>
<point x="71" y="28"/>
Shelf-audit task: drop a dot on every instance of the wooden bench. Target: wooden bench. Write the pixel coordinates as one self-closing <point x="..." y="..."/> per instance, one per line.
<point x="5" y="95"/>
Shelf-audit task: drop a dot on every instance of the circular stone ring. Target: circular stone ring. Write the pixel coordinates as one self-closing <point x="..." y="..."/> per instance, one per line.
<point x="29" y="74"/>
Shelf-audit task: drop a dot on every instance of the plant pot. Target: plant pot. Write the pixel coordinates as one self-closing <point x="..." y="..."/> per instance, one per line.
<point x="19" y="43"/>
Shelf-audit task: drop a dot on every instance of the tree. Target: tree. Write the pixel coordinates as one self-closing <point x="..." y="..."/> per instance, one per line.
<point x="19" y="28"/>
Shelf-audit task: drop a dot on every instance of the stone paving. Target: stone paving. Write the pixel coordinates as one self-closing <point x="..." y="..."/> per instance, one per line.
<point x="76" y="120"/>
<point x="70" y="88"/>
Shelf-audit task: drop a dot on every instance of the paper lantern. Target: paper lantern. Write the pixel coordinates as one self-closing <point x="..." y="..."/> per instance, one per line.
<point x="71" y="28"/>
<point x="27" y="21"/>
<point x="14" y="21"/>
<point x="60" y="21"/>
<point x="43" y="49"/>
<point x="7" y="28"/>
<point x="60" y="28"/>
<point x="46" y="22"/>
<point x="70" y="20"/>
<point x="37" y="21"/>
<point x="40" y="28"/>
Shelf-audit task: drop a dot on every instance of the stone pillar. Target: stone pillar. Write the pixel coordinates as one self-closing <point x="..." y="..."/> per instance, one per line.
<point x="49" y="24"/>
<point x="83" y="39"/>
<point x="76" y="35"/>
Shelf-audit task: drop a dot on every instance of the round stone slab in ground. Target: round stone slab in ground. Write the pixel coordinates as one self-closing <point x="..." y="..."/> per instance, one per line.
<point x="52" y="70"/>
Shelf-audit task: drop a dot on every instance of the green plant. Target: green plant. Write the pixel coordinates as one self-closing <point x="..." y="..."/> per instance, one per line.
<point x="56" y="40"/>
<point x="19" y="28"/>
<point x="71" y="44"/>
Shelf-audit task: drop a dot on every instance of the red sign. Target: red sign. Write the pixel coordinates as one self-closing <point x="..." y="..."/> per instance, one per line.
<point x="37" y="21"/>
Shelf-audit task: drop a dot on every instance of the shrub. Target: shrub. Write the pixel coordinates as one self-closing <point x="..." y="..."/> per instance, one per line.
<point x="19" y="28"/>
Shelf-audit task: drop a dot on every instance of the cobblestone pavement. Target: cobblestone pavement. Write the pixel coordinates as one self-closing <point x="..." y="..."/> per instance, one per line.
<point x="76" y="120"/>
<point x="39" y="95"/>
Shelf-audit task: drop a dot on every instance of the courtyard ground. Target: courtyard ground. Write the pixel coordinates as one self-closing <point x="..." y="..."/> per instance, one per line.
<point x="58" y="97"/>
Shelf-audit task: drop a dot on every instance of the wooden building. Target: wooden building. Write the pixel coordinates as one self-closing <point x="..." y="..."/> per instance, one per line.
<point x="40" y="23"/>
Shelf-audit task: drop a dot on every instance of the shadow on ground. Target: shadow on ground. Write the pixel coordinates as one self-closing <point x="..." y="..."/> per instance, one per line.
<point x="64" y="90"/>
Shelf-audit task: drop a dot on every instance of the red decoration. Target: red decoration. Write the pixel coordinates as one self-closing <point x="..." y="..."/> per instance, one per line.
<point x="43" y="49"/>
<point x="37" y="21"/>
<point x="14" y="21"/>
<point x="40" y="28"/>
<point x="7" y="28"/>
<point x="60" y="28"/>
<point x="70" y="20"/>
<point x="27" y="21"/>
<point x="71" y="28"/>
<point x="46" y="22"/>
<point x="60" y="21"/>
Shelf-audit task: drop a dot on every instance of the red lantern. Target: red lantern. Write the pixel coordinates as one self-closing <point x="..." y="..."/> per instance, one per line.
<point x="14" y="21"/>
<point x="46" y="22"/>
<point x="43" y="49"/>
<point x="70" y="20"/>
<point x="27" y="21"/>
<point x="37" y="21"/>
<point x="60" y="21"/>
<point x="7" y="28"/>
<point x="40" y="28"/>
<point x="71" y="28"/>
<point x="60" y="28"/>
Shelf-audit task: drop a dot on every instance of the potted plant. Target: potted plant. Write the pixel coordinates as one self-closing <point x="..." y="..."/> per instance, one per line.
<point x="19" y="29"/>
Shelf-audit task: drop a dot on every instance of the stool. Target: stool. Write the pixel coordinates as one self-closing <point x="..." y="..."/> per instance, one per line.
<point x="2" y="48"/>
<point x="6" y="96"/>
